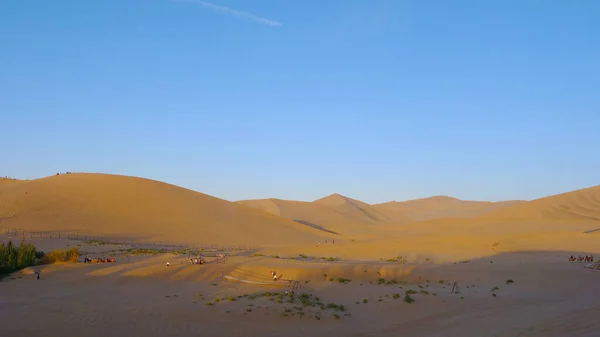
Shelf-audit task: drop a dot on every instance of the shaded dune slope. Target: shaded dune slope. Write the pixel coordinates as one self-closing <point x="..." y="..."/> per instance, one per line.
<point x="136" y="207"/>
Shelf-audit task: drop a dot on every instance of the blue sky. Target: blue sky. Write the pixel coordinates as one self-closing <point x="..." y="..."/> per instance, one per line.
<point x="375" y="99"/>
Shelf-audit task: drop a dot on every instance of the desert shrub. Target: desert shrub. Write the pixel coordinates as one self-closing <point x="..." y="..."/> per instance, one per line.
<point x="72" y="254"/>
<point x="339" y="307"/>
<point x="343" y="280"/>
<point x="509" y="281"/>
<point x="54" y="256"/>
<point x="62" y="255"/>
<point x="408" y="299"/>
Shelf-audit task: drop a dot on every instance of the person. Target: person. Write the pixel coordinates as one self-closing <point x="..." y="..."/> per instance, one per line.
<point x="38" y="275"/>
<point x="168" y="264"/>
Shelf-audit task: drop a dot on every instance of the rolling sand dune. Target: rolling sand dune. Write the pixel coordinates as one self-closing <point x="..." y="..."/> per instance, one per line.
<point x="581" y="204"/>
<point x="354" y="208"/>
<point x="440" y="207"/>
<point x="140" y="208"/>
<point x="346" y="217"/>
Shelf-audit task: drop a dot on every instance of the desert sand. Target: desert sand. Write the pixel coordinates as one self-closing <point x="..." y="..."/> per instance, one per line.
<point x="509" y="260"/>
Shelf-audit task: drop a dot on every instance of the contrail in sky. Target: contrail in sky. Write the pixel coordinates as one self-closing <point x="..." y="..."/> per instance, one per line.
<point x="231" y="11"/>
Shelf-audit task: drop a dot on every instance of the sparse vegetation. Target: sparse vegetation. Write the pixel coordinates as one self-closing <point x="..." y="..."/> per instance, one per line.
<point x="398" y="259"/>
<point x="338" y="307"/>
<point x="295" y="305"/>
<point x="408" y="299"/>
<point x="330" y="259"/>
<point x="509" y="281"/>
<point x="343" y="280"/>
<point x="145" y="251"/>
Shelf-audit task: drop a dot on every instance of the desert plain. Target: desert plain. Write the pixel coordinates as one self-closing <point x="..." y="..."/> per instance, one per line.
<point x="436" y="266"/>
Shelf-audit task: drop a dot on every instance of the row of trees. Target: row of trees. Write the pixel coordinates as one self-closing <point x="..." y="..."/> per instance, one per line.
<point x="17" y="257"/>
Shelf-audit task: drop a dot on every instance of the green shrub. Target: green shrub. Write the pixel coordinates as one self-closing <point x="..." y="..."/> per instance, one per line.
<point x="408" y="299"/>
<point x="13" y="258"/>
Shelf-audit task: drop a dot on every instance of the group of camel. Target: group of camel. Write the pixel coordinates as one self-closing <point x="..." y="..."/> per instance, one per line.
<point x="100" y="260"/>
<point x="580" y="258"/>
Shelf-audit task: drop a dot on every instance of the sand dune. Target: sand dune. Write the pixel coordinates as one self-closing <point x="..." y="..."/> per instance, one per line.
<point x="353" y="208"/>
<point x="340" y="218"/>
<point x="335" y="212"/>
<point x="581" y="204"/>
<point x="140" y="208"/>
<point x="439" y="207"/>
<point x="306" y="212"/>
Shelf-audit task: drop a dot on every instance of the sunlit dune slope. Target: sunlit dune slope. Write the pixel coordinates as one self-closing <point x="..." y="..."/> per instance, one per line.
<point x="135" y="207"/>
<point x="440" y="207"/>
<point x="581" y="204"/>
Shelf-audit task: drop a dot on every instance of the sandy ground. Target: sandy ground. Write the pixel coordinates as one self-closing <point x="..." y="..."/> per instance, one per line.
<point x="140" y="296"/>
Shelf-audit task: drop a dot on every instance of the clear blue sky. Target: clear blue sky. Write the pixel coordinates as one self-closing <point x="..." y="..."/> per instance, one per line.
<point x="375" y="99"/>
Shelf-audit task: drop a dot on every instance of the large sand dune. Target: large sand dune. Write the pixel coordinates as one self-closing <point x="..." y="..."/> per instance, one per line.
<point x="581" y="204"/>
<point x="336" y="213"/>
<point x="440" y="207"/>
<point x="140" y="208"/>
<point x="354" y="208"/>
